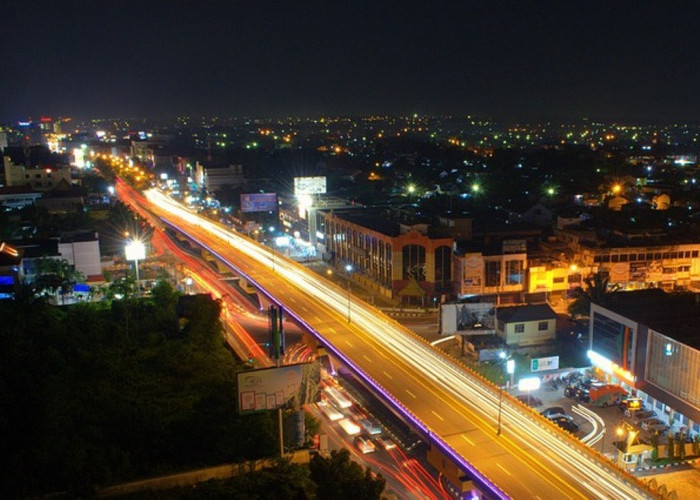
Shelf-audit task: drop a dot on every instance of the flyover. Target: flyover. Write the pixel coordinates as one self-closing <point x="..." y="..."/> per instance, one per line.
<point x="452" y="408"/>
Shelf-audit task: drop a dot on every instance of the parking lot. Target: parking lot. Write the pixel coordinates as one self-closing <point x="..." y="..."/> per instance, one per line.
<point x="616" y="420"/>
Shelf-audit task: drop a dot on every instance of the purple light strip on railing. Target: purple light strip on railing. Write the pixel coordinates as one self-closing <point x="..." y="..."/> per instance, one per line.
<point x="443" y="446"/>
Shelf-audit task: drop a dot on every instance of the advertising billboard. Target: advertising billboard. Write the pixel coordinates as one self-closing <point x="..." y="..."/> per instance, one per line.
<point x="258" y="202"/>
<point x="272" y="388"/>
<point x="309" y="185"/>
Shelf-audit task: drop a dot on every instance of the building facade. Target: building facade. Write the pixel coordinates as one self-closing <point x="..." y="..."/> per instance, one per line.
<point x="649" y="342"/>
<point x="398" y="260"/>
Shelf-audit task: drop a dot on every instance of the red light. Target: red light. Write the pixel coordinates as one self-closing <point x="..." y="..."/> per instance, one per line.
<point x="45" y="119"/>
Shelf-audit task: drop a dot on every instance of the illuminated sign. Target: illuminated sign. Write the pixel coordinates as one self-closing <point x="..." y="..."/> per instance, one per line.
<point x="529" y="384"/>
<point x="542" y="364"/>
<point x="609" y="367"/>
<point x="309" y="185"/>
<point x="258" y="202"/>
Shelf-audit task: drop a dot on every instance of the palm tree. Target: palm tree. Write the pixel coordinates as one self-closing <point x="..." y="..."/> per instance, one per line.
<point x="56" y="276"/>
<point x="598" y="290"/>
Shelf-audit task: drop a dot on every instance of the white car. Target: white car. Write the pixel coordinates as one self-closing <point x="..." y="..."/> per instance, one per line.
<point x="654" y="424"/>
<point x="365" y="444"/>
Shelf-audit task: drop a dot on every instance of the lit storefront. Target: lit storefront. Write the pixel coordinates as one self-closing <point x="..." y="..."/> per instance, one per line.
<point x="647" y="341"/>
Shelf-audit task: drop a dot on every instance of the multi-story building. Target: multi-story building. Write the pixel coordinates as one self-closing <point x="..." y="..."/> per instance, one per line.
<point x="40" y="179"/>
<point x="407" y="259"/>
<point x="649" y="341"/>
<point x="496" y="271"/>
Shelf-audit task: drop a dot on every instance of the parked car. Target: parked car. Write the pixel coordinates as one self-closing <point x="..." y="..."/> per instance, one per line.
<point x="566" y="422"/>
<point x="582" y="395"/>
<point x="639" y="414"/>
<point x="654" y="424"/>
<point x="531" y="401"/>
<point x="570" y="390"/>
<point x="635" y="403"/>
<point x="552" y="411"/>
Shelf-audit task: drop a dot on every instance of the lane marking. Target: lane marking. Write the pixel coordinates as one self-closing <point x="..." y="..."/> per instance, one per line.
<point x="413" y="395"/>
<point x="318" y="319"/>
<point x="467" y="440"/>
<point x="438" y="416"/>
<point x="390" y="377"/>
<point x="367" y="358"/>
<point x="348" y="343"/>
<point x="503" y="469"/>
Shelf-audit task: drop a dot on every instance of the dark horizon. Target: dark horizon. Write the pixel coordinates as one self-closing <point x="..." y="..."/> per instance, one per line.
<point x="514" y="62"/>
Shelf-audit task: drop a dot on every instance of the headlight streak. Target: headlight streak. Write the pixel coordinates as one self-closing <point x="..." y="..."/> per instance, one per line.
<point x="426" y="360"/>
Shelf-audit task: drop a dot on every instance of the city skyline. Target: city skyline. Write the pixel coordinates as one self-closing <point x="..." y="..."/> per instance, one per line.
<point x="512" y="61"/>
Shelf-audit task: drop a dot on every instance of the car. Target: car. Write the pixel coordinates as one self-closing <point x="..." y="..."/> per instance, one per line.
<point x="566" y="422"/>
<point x="570" y="390"/>
<point x="654" y="424"/>
<point x="370" y="425"/>
<point x="531" y="401"/>
<point x="635" y="403"/>
<point x="552" y="411"/>
<point x="640" y="415"/>
<point x="385" y="443"/>
<point x="582" y="395"/>
<point x="365" y="444"/>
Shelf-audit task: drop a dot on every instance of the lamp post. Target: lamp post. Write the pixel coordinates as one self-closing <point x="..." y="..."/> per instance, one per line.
<point x="510" y="368"/>
<point x="348" y="270"/>
<point x="135" y="250"/>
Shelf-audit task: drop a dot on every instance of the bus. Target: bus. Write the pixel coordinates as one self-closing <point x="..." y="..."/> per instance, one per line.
<point x="329" y="411"/>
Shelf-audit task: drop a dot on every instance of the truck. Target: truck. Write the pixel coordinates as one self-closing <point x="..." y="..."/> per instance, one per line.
<point x="606" y="394"/>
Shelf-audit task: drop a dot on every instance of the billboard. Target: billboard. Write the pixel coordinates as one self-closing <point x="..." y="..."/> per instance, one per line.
<point x="472" y="318"/>
<point x="309" y="185"/>
<point x="258" y="202"/>
<point x="543" y="364"/>
<point x="271" y="388"/>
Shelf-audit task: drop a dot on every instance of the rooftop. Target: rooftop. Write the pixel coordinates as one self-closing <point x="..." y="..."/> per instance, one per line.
<point x="676" y="315"/>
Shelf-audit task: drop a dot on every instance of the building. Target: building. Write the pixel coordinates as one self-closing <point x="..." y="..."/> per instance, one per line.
<point x="63" y="199"/>
<point x="82" y="251"/>
<point x="497" y="271"/>
<point x="392" y="253"/>
<point x="11" y="271"/>
<point x="215" y="178"/>
<point x="40" y="179"/>
<point x="649" y="342"/>
<point x="526" y="325"/>
<point x="18" y="196"/>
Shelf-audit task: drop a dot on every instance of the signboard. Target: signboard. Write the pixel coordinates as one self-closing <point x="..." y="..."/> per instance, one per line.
<point x="473" y="318"/>
<point x="258" y="202"/>
<point x="309" y="185"/>
<point x="272" y="388"/>
<point x="542" y="364"/>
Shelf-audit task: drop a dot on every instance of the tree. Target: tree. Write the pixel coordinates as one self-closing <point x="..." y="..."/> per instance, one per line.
<point x="340" y="478"/>
<point x="598" y="290"/>
<point x="57" y="276"/>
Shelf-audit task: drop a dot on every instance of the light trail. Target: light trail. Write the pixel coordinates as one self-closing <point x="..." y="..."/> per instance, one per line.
<point x="527" y="430"/>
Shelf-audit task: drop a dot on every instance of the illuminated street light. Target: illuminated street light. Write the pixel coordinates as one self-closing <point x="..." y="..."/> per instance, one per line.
<point x="135" y="250"/>
<point x="411" y="189"/>
<point x="476" y="187"/>
<point x="348" y="270"/>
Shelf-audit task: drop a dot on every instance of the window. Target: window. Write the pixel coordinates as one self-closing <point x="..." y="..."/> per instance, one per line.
<point x="542" y="326"/>
<point x="557" y="280"/>
<point x="520" y="328"/>
<point x="695" y="253"/>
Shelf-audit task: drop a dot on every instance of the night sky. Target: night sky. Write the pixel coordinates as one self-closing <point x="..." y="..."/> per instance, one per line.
<point x="509" y="60"/>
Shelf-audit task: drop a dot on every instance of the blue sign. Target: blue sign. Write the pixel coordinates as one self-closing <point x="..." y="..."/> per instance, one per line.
<point x="258" y="202"/>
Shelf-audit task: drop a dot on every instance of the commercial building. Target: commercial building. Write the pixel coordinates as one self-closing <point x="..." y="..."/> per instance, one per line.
<point x="403" y="258"/>
<point x="40" y="179"/>
<point x="649" y="341"/>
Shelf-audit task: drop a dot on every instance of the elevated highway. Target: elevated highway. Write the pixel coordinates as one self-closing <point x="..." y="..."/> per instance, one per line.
<point x="453" y="409"/>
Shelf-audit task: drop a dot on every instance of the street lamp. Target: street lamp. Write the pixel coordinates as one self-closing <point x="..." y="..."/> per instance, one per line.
<point x="348" y="270"/>
<point x="510" y="368"/>
<point x="135" y="250"/>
